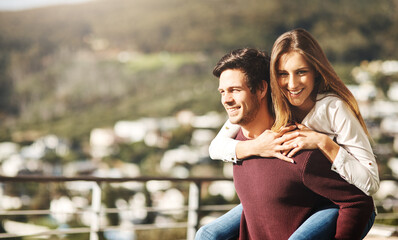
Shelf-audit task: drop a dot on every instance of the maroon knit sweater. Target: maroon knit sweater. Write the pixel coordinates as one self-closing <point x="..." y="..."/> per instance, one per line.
<point x="278" y="196"/>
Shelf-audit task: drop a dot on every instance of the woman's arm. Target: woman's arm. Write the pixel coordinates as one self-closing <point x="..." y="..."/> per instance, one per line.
<point x="355" y="160"/>
<point x="268" y="144"/>
<point x="223" y="145"/>
<point x="351" y="155"/>
<point x="355" y="208"/>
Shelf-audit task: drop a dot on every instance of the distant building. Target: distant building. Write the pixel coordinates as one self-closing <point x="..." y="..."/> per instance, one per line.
<point x="183" y="154"/>
<point x="7" y="149"/>
<point x="210" y="120"/>
<point x="102" y="141"/>
<point x="389" y="125"/>
<point x="392" y="92"/>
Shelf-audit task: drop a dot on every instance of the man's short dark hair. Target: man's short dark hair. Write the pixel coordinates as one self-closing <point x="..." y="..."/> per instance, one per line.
<point x="253" y="63"/>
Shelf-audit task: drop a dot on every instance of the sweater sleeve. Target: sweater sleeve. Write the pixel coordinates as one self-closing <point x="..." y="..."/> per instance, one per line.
<point x="355" y="207"/>
<point x="223" y="145"/>
<point x="355" y="161"/>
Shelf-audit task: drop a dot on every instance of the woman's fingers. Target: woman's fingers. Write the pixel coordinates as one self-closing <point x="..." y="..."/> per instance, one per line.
<point x="284" y="147"/>
<point x="294" y="151"/>
<point x="289" y="136"/>
<point x="284" y="158"/>
<point x="284" y="130"/>
<point x="301" y="126"/>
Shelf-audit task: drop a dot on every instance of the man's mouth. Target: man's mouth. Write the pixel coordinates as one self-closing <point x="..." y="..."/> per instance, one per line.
<point x="295" y="92"/>
<point x="232" y="109"/>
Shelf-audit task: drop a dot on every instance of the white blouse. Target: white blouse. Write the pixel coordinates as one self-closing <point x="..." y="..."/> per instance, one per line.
<point x="355" y="161"/>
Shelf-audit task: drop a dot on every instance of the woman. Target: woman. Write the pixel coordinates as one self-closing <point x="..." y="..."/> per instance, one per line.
<point x="305" y="89"/>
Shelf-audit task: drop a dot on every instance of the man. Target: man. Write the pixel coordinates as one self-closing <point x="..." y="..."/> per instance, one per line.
<point x="277" y="196"/>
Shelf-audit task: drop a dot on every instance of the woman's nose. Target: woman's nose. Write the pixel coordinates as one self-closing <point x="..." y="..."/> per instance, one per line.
<point x="292" y="82"/>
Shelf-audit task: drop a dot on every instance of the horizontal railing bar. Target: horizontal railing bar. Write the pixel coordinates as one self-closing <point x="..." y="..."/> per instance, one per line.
<point x="147" y="226"/>
<point x="225" y="207"/>
<point x="116" y="210"/>
<point x="49" y="178"/>
<point x="41" y="178"/>
<point x="87" y="230"/>
<point x="47" y="233"/>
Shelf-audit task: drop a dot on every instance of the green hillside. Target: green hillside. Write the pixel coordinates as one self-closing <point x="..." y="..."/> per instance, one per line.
<point x="67" y="69"/>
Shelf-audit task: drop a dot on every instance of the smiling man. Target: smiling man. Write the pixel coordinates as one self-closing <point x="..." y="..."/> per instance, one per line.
<point x="277" y="196"/>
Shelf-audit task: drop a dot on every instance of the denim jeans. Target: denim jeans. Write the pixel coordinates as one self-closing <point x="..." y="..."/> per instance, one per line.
<point x="320" y="225"/>
<point x="224" y="227"/>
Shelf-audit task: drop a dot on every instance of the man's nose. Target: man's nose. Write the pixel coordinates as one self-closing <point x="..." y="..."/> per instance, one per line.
<point x="227" y="98"/>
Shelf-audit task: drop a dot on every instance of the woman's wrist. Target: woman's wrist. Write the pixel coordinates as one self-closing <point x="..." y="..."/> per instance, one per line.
<point x="244" y="149"/>
<point x="328" y="147"/>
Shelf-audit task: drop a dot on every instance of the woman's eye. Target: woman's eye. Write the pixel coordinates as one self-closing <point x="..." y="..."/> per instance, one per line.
<point x="301" y="72"/>
<point x="282" y="74"/>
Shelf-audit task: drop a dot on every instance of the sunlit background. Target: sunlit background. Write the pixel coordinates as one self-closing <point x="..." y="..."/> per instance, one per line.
<point x="123" y="88"/>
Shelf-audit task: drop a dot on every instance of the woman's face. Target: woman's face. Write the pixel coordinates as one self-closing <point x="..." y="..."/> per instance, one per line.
<point x="296" y="79"/>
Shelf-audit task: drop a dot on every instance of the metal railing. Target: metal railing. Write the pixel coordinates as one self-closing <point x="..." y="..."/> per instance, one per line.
<point x="193" y="208"/>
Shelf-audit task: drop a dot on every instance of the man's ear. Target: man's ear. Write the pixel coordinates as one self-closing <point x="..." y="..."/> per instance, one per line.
<point x="263" y="92"/>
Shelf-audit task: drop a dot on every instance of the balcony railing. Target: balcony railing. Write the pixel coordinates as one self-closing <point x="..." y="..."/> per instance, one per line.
<point x="193" y="207"/>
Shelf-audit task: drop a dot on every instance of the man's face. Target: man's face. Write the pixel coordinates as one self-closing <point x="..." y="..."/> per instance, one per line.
<point x="241" y="105"/>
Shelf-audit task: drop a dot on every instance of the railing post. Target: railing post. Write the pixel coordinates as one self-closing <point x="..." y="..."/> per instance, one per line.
<point x="193" y="209"/>
<point x="95" y="208"/>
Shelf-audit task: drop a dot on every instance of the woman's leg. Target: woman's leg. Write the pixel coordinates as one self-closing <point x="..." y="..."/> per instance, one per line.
<point x="320" y="225"/>
<point x="224" y="227"/>
<point x="369" y="225"/>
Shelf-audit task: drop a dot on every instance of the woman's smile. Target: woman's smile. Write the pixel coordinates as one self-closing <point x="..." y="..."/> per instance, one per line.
<point x="296" y="78"/>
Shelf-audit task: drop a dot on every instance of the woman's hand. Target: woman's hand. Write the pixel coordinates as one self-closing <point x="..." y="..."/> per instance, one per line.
<point x="269" y="144"/>
<point x="309" y="139"/>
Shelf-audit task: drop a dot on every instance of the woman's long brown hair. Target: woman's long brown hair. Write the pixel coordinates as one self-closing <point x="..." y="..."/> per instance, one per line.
<point x="326" y="81"/>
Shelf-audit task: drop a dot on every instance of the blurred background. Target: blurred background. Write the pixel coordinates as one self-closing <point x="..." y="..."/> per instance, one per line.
<point x="123" y="88"/>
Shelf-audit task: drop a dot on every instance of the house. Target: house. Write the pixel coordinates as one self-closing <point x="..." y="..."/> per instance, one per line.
<point x="393" y="165"/>
<point x="392" y="92"/>
<point x="134" y="131"/>
<point x="212" y="120"/>
<point x="364" y="92"/>
<point x="389" y="67"/>
<point x="183" y="154"/>
<point x="389" y="125"/>
<point x="202" y="137"/>
<point x="7" y="149"/>
<point x="223" y="188"/>
<point x="42" y="145"/>
<point x="102" y="142"/>
<point x="381" y="108"/>
<point x="62" y="209"/>
<point x="13" y="165"/>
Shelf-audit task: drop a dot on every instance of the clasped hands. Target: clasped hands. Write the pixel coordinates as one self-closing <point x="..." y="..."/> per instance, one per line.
<point x="285" y="143"/>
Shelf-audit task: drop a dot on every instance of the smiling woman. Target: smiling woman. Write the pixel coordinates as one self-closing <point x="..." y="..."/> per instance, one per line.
<point x="19" y="5"/>
<point x="296" y="78"/>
